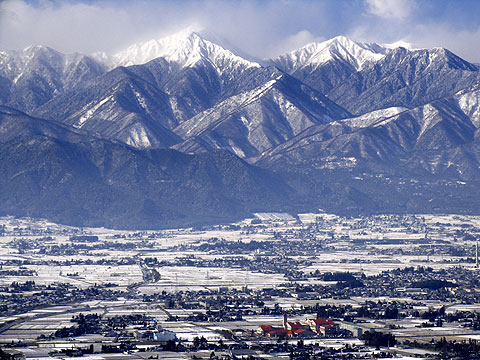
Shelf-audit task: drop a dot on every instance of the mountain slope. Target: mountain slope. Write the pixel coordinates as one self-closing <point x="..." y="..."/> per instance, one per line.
<point x="195" y="72"/>
<point x="31" y="77"/>
<point x="325" y="65"/>
<point x="254" y="121"/>
<point x="117" y="106"/>
<point x="91" y="182"/>
<point x="469" y="101"/>
<point x="368" y="77"/>
<point x="390" y="139"/>
<point x="141" y="104"/>
<point x="405" y="78"/>
<point x="15" y="124"/>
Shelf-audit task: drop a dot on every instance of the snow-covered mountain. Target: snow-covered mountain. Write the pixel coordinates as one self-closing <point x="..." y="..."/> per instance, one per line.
<point x="31" y="77"/>
<point x="141" y="104"/>
<point x="392" y="137"/>
<point x="16" y="125"/>
<point x="339" y="48"/>
<point x="185" y="48"/>
<point x="254" y="121"/>
<point x="367" y="77"/>
<point x="324" y="65"/>
<point x="119" y="106"/>
<point x="339" y="123"/>
<point x="404" y="78"/>
<point x="187" y="91"/>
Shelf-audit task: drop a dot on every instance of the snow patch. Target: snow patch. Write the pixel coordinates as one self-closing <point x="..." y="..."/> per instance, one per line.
<point x="373" y="118"/>
<point x="89" y="113"/>
<point x="140" y="100"/>
<point x="469" y="102"/>
<point x="138" y="137"/>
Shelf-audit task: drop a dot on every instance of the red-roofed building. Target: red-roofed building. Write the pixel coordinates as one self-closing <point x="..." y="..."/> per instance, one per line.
<point x="295" y="325"/>
<point x="301" y="333"/>
<point x="270" y="331"/>
<point x="264" y="329"/>
<point x="310" y="328"/>
<point x="322" y="326"/>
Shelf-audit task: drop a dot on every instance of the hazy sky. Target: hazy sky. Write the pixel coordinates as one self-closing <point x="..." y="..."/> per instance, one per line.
<point x="262" y="28"/>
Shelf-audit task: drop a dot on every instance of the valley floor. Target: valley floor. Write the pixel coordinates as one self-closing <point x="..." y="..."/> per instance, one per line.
<point x="388" y="285"/>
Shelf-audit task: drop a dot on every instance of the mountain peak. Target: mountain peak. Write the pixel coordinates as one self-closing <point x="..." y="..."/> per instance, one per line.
<point x="356" y="53"/>
<point x="186" y="48"/>
<point x="35" y="48"/>
<point x="442" y="54"/>
<point x="30" y="52"/>
<point x="338" y="48"/>
<point x="342" y="40"/>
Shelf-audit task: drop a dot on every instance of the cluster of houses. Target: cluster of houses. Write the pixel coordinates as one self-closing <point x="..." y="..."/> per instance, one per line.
<point x="311" y="328"/>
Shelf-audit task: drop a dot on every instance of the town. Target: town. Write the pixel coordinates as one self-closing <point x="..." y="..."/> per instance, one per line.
<point x="276" y="286"/>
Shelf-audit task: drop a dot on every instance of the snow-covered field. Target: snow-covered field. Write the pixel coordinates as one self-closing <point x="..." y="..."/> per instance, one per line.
<point x="364" y="245"/>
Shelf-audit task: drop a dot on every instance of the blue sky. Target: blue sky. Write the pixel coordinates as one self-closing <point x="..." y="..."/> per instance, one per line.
<point x="261" y="28"/>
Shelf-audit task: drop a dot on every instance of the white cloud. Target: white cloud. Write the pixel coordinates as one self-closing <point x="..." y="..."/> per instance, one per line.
<point x="462" y="43"/>
<point x="391" y="9"/>
<point x="296" y="41"/>
<point x="71" y="26"/>
<point x="258" y="27"/>
<point x="262" y="28"/>
<point x="419" y="35"/>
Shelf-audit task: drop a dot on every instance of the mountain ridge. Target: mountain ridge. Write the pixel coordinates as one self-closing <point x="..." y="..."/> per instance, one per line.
<point x="191" y="132"/>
